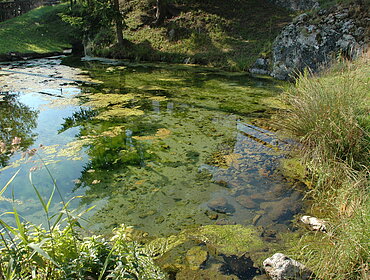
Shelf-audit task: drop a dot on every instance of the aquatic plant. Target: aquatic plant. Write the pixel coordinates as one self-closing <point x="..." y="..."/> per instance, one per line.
<point x="61" y="251"/>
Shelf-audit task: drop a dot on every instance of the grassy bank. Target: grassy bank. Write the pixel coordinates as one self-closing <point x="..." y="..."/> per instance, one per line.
<point x="330" y="117"/>
<point x="40" y="30"/>
<point x="227" y="34"/>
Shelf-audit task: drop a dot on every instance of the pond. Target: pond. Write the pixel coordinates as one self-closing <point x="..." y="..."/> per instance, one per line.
<point x="163" y="148"/>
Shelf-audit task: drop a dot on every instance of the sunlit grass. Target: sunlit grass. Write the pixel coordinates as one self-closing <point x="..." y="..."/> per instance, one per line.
<point x="330" y="117"/>
<point x="39" y="30"/>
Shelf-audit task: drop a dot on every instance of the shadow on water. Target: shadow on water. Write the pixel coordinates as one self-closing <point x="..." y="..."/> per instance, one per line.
<point x="163" y="148"/>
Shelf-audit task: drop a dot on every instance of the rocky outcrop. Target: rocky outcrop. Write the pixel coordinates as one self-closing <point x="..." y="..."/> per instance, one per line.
<point x="296" y="5"/>
<point x="312" y="40"/>
<point x="281" y="267"/>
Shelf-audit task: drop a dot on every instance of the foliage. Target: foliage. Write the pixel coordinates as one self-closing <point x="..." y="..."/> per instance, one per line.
<point x="29" y="251"/>
<point x="330" y="117"/>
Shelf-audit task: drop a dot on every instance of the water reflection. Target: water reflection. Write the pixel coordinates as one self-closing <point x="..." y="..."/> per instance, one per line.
<point x="17" y="121"/>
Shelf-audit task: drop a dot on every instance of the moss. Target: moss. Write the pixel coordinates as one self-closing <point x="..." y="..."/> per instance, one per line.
<point x="195" y="257"/>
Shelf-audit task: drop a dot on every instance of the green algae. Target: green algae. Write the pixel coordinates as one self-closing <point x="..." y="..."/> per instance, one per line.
<point x="229" y="239"/>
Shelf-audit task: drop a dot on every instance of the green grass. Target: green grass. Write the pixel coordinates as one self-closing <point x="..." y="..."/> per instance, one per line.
<point x="330" y="117"/>
<point x="39" y="30"/>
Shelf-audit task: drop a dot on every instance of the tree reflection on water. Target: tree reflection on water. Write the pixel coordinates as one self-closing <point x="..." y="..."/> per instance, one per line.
<point x="16" y="124"/>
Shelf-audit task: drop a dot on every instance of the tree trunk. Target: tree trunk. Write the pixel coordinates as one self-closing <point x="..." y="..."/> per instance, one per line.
<point x="161" y="11"/>
<point x="118" y="22"/>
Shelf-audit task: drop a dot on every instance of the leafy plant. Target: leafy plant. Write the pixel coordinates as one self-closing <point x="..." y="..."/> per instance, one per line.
<point x="60" y="251"/>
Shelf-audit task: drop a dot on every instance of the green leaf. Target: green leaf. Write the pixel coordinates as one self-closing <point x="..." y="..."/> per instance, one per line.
<point x="37" y="248"/>
<point x="38" y="194"/>
<point x="8" y="183"/>
<point x="19" y="224"/>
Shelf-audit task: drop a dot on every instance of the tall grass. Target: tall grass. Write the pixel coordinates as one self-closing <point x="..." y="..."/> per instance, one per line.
<point x="330" y="117"/>
<point x="60" y="251"/>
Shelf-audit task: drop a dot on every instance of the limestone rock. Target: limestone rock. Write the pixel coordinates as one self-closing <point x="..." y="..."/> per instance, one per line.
<point x="281" y="267"/>
<point x="313" y="40"/>
<point x="314" y="223"/>
<point x="261" y="67"/>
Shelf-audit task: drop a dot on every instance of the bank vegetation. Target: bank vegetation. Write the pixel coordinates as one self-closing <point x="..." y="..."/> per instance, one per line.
<point x="329" y="115"/>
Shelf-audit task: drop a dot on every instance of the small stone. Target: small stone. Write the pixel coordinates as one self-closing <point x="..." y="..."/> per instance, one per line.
<point x="281" y="267"/>
<point x="211" y="215"/>
<point x="314" y="223"/>
<point x="256" y="218"/>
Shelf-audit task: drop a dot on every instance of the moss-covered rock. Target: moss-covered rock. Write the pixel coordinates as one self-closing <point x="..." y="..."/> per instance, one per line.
<point x="195" y="257"/>
<point x="228" y="239"/>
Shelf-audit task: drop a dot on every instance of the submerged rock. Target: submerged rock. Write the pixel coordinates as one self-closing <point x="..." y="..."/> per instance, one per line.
<point x="196" y="257"/>
<point x="281" y="267"/>
<point x="228" y="239"/>
<point x="220" y="205"/>
<point x="246" y="202"/>
<point x="281" y="210"/>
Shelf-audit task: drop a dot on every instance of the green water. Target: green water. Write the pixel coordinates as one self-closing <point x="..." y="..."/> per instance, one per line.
<point x="162" y="148"/>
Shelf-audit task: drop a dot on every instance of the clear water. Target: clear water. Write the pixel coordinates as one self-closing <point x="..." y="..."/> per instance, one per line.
<point x="158" y="147"/>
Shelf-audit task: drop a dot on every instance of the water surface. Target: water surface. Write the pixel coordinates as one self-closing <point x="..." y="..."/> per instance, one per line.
<point x="159" y="147"/>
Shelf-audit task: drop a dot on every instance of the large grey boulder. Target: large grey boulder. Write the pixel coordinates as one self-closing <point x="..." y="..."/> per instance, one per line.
<point x="281" y="267"/>
<point x="313" y="40"/>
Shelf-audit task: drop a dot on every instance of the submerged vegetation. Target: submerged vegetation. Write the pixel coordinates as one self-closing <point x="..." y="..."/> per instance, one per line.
<point x="330" y="116"/>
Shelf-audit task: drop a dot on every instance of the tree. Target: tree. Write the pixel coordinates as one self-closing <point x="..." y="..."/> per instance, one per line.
<point x="118" y="22"/>
<point x="161" y="11"/>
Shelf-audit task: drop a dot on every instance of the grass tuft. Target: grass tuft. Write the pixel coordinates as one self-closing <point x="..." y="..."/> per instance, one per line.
<point x="330" y="117"/>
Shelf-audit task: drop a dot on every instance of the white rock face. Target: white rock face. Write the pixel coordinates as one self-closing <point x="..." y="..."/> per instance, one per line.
<point x="314" y="223"/>
<point x="281" y="267"/>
